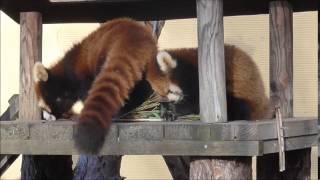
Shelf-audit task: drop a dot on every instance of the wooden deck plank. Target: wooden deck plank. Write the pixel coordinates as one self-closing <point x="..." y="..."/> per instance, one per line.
<point x="168" y="138"/>
<point x="232" y="131"/>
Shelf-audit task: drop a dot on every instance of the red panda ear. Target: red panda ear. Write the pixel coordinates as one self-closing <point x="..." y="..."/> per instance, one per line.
<point x="165" y="61"/>
<point x="40" y="73"/>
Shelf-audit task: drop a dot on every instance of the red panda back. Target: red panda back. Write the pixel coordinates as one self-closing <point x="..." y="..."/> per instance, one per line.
<point x="108" y="64"/>
<point x="243" y="80"/>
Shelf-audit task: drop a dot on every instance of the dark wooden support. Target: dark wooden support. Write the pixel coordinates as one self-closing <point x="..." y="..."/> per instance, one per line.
<point x="179" y="166"/>
<point x="10" y="114"/>
<point x="213" y="93"/>
<point x="297" y="162"/>
<point x="35" y="167"/>
<point x="98" y="167"/>
<point x="298" y="165"/>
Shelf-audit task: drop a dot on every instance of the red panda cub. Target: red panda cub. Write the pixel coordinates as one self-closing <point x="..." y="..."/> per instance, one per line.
<point x="174" y="77"/>
<point x="104" y="69"/>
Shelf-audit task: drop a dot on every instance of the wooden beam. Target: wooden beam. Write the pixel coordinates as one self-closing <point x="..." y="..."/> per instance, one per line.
<point x="69" y="11"/>
<point x="231" y="131"/>
<point x="12" y="111"/>
<point x="213" y="106"/>
<point x="30" y="53"/>
<point x="156" y="138"/>
<point x="10" y="114"/>
<point x="212" y="90"/>
<point x="35" y="167"/>
<point x="281" y="56"/>
<point x="297" y="163"/>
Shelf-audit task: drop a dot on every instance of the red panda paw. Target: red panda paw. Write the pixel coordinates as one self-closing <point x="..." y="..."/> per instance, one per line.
<point x="89" y="136"/>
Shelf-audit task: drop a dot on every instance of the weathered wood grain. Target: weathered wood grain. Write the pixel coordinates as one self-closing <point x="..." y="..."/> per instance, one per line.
<point x="35" y="167"/>
<point x="10" y="114"/>
<point x="281" y="56"/>
<point x="281" y="90"/>
<point x="30" y="53"/>
<point x="221" y="168"/>
<point x="57" y="138"/>
<point x="281" y="76"/>
<point x="212" y="86"/>
<point x="166" y="130"/>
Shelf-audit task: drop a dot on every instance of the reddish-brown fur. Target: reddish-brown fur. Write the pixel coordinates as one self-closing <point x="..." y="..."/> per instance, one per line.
<point x="115" y="54"/>
<point x="243" y="79"/>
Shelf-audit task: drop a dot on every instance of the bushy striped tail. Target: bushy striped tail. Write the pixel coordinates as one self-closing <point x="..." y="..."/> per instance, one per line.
<point x="106" y="97"/>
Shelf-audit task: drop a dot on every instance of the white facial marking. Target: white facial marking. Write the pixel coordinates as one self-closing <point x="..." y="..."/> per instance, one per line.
<point x="77" y="107"/>
<point x="48" y="117"/>
<point x="39" y="72"/>
<point x="173" y="97"/>
<point x="165" y="61"/>
<point x="175" y="93"/>
<point x="44" y="106"/>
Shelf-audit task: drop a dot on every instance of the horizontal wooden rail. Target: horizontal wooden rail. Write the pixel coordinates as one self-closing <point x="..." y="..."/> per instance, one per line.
<point x="71" y="11"/>
<point x="241" y="138"/>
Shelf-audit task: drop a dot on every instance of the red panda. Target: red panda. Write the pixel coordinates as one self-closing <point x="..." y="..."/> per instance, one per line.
<point x="103" y="69"/>
<point x="173" y="75"/>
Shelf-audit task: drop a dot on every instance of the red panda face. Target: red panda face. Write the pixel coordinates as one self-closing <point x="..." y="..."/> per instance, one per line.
<point x="159" y="76"/>
<point x="54" y="96"/>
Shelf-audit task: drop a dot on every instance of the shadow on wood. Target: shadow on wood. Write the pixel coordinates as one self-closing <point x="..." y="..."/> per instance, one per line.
<point x="297" y="165"/>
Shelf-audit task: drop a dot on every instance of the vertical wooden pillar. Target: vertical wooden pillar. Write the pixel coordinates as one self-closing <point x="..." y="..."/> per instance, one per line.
<point x="213" y="106"/>
<point x="281" y="52"/>
<point x="35" y="167"/>
<point x="30" y="53"/>
<point x="318" y="95"/>
<point x="212" y="86"/>
<point x="281" y="90"/>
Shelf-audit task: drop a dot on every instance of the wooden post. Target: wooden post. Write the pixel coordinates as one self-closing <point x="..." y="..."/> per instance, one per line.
<point x="35" y="167"/>
<point x="212" y="84"/>
<point x="30" y="53"/>
<point x="98" y="167"/>
<point x="318" y="95"/>
<point x="281" y="52"/>
<point x="211" y="61"/>
<point x="281" y="80"/>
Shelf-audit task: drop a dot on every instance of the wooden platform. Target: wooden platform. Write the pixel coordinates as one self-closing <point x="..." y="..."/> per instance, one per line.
<point x="241" y="138"/>
<point x="67" y="11"/>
